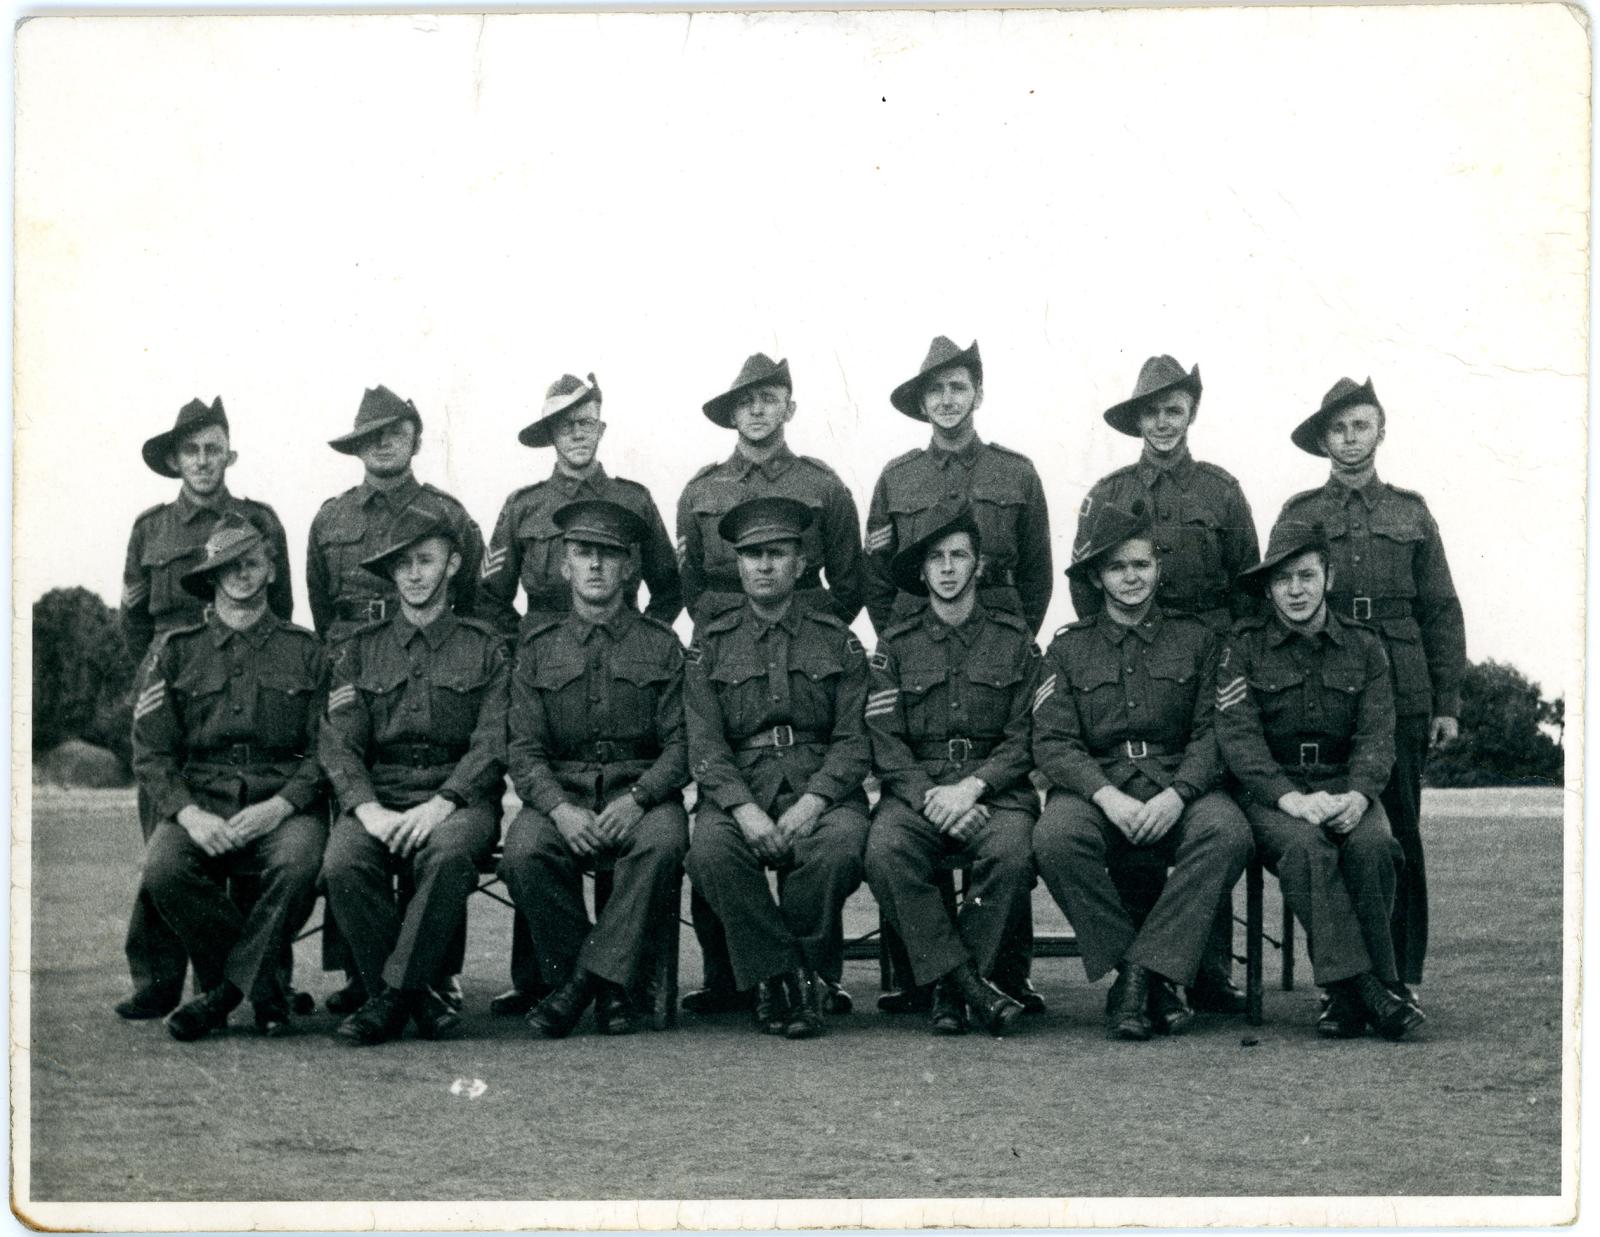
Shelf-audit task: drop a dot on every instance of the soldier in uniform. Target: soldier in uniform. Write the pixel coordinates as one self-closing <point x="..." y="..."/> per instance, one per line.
<point x="1305" y="720"/>
<point x="347" y="530"/>
<point x="1205" y="535"/>
<point x="759" y="406"/>
<point x="197" y="452"/>
<point x="774" y="694"/>
<point x="414" y="743"/>
<point x="598" y="757"/>
<point x="1008" y="505"/>
<point x="224" y="745"/>
<point x="948" y="706"/>
<point x="526" y="548"/>
<point x="1389" y="570"/>
<point x="1122" y="730"/>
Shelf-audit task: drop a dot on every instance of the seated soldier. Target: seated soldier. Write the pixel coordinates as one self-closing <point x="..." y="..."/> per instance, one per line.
<point x="774" y="694"/>
<point x="224" y="733"/>
<point x="1122" y="730"/>
<point x="948" y="715"/>
<point x="414" y="743"/>
<point x="1305" y="720"/>
<point x="598" y="756"/>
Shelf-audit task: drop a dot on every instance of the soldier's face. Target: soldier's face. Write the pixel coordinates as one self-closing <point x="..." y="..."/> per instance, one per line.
<point x="578" y="434"/>
<point x="202" y="460"/>
<point x="596" y="572"/>
<point x="769" y="572"/>
<point x="244" y="579"/>
<point x="1164" y="421"/>
<point x="950" y="397"/>
<point x="421" y="572"/>
<point x="761" y="412"/>
<point x="1353" y="435"/>
<point x="950" y="566"/>
<point x="1298" y="587"/>
<point x="1129" y="574"/>
<point x="388" y="452"/>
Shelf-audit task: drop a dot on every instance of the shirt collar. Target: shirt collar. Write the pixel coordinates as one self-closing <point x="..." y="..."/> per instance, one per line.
<point x="967" y="456"/>
<point x="570" y="485"/>
<point x="614" y="627"/>
<point x="400" y="497"/>
<point x="1179" y="466"/>
<point x="790" y="622"/>
<point x="771" y="468"/>
<point x="965" y="631"/>
<point x="1340" y="493"/>
<point x="435" y="633"/>
<point x="188" y="508"/>
<point x="1145" y="629"/>
<point x="1332" y="628"/>
<point x="256" y="633"/>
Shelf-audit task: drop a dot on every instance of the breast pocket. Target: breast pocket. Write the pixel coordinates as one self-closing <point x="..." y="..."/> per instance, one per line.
<point x="558" y="683"/>
<point x="285" y="706"/>
<point x="199" y="695"/>
<point x="708" y="507"/>
<point x="998" y="511"/>
<point x="1341" y="696"/>
<point x="162" y="564"/>
<point x="814" y="679"/>
<point x="1097" y="696"/>
<point x="340" y="542"/>
<point x="384" y="691"/>
<point x="456" y="694"/>
<point x="539" y="540"/>
<point x="990" y="692"/>
<point x="911" y="512"/>
<point x="1396" y="538"/>
<point x="1174" y="682"/>
<point x="1409" y="660"/>
<point x="636" y="687"/>
<point x="1193" y="550"/>
<point x="922" y="696"/>
<point x="1279" y="695"/>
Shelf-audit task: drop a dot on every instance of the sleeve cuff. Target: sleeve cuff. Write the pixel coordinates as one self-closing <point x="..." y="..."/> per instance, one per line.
<point x="1187" y="791"/>
<point x="729" y="795"/>
<point x="1275" y="788"/>
<point x="995" y="778"/>
<point x="298" y="796"/>
<point x="547" y="798"/>
<point x="825" y="788"/>
<point x="1447" y="706"/>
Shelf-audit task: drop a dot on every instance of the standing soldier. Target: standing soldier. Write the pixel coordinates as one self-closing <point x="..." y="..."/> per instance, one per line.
<point x="774" y="695"/>
<point x="224" y="745"/>
<point x="598" y="756"/>
<point x="1388" y="569"/>
<point x="414" y="744"/>
<point x="197" y="452"/>
<point x="759" y="406"/>
<point x="1205" y="535"/>
<point x="526" y="548"/>
<point x="1122" y="729"/>
<point x="1013" y="521"/>
<point x="948" y="714"/>
<point x="348" y="530"/>
<point x="1305" y="720"/>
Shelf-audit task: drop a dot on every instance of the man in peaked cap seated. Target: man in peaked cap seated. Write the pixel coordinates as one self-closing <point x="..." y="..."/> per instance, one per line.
<point x="1122" y="730"/>
<point x="1389" y="563"/>
<point x="527" y="548"/>
<point x="948" y="707"/>
<point x="414" y="743"/>
<point x="1305" y="720"/>
<point x="347" y="530"/>
<point x="774" y="693"/>
<point x="759" y="406"/>
<point x="1205" y="534"/>
<point x="598" y="757"/>
<point x="224" y="745"/>
<point x="1008" y="505"/>
<point x="197" y="452"/>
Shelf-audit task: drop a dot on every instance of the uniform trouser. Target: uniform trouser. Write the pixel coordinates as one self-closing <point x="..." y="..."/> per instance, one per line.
<point x="765" y="939"/>
<point x="157" y="961"/>
<point x="1139" y="873"/>
<point x="546" y="880"/>
<point x="406" y="950"/>
<point x="338" y="956"/>
<point x="1402" y="802"/>
<point x="902" y="864"/>
<point x="189" y="888"/>
<point x="1075" y="845"/>
<point x="1341" y="889"/>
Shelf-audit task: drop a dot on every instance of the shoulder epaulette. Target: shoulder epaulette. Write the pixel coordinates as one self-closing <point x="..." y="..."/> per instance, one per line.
<point x="444" y="494"/>
<point x="1076" y="625"/>
<point x="1405" y="493"/>
<point x="826" y="617"/>
<point x="709" y="468"/>
<point x="819" y="464"/>
<point x="147" y="513"/>
<point x="539" y="628"/>
<point x="188" y="629"/>
<point x="1015" y="454"/>
<point x="1015" y="621"/>
<point x="904" y="627"/>
<point x="726" y="621"/>
<point x="630" y="483"/>
<point x="898" y="460"/>
<point x="649" y="620"/>
<point x="523" y="491"/>
<point x="370" y="625"/>
<point x="1251" y="622"/>
<point x="298" y="630"/>
<point x="1216" y="470"/>
<point x="1301" y="496"/>
<point x="478" y="624"/>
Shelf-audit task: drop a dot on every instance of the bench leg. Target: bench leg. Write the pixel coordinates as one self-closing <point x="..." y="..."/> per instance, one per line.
<point x="1288" y="949"/>
<point x="1253" y="943"/>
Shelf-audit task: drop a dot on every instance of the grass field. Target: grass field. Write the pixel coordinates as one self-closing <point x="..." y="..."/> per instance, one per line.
<point x="876" y="1109"/>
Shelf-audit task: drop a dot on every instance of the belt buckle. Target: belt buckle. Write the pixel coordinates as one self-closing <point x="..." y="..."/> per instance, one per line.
<point x="377" y="608"/>
<point x="238" y="753"/>
<point x="963" y="746"/>
<point x="1143" y="748"/>
<point x="605" y="751"/>
<point x="1361" y="608"/>
<point x="783" y="736"/>
<point x="1310" y="754"/>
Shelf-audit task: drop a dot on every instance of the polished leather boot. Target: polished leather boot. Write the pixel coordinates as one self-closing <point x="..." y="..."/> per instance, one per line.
<point x="349" y="999"/>
<point x="205" y="1014"/>
<point x="272" y="1019"/>
<point x="514" y="1002"/>
<point x="949" y="1008"/>
<point x="996" y="1011"/>
<point x="772" y="1005"/>
<point x="435" y="1016"/>
<point x="147" y="1003"/>
<point x="835" y="1000"/>
<point x="381" y="1019"/>
<point x="1129" y="1017"/>
<point x="559" y="1013"/>
<point x="1216" y="993"/>
<point x="914" y="1000"/>
<point x="1169" y="1012"/>
<point x="1021" y="990"/>
<point x="717" y="995"/>
<point x="1343" y="1015"/>
<point x="805" y="1004"/>
<point x="614" y="1011"/>
<point x="1391" y="1016"/>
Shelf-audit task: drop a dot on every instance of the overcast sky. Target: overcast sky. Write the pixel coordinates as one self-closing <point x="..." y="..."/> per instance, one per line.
<point x="286" y="211"/>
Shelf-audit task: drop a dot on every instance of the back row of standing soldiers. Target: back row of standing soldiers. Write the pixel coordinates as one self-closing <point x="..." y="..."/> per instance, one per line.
<point x="1388" y="570"/>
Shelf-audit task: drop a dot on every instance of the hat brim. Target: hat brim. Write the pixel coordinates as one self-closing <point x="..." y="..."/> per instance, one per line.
<point x="200" y="581"/>
<point x="1124" y="417"/>
<point x="378" y="564"/>
<point x="156" y="450"/>
<point x="350" y="444"/>
<point x="1083" y="569"/>
<point x="719" y="411"/>
<point x="905" y="568"/>
<point x="907" y="397"/>
<point x="1254" y="579"/>
<point x="1308" y="435"/>
<point x="542" y="433"/>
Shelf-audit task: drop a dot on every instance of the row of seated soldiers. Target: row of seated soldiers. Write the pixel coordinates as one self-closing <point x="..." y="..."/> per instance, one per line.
<point x="1390" y="569"/>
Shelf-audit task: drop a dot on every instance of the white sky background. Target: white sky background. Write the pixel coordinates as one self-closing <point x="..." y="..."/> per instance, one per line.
<point x="286" y="211"/>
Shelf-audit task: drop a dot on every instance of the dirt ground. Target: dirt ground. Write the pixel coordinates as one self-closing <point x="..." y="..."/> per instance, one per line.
<point x="876" y="1109"/>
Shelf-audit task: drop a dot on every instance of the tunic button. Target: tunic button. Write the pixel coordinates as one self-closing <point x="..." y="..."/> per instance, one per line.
<point x="1133" y="704"/>
<point x="415" y="705"/>
<point x="1358" y="558"/>
<point x="238" y="708"/>
<point x="237" y="671"/>
<point x="955" y="706"/>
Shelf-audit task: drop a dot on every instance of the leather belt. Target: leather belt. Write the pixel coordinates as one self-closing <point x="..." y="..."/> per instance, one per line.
<point x="955" y="749"/>
<point x="780" y="736"/>
<point x="419" y="755"/>
<point x="240" y="755"/>
<point x="1135" y="749"/>
<point x="1329" y="753"/>
<point x="365" y="610"/>
<point x="609" y="751"/>
<point x="1351" y="606"/>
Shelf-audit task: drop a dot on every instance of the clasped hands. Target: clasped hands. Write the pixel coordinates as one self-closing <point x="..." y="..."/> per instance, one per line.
<point x="1338" y="814"/>
<point x="404" y="832"/>
<point x="955" y="809"/>
<point x="1141" y="822"/>
<point x="588" y="833"/>
<point x="217" y="836"/>
<point x="772" y="841"/>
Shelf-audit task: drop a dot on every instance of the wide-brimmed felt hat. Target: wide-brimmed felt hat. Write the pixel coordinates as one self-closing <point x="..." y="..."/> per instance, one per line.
<point x="415" y="524"/>
<point x="1287" y="539"/>
<point x="1343" y="394"/>
<point x="566" y="393"/>
<point x="195" y="415"/>
<point x="1157" y="376"/>
<point x="759" y="370"/>
<point x="379" y="407"/>
<point x="232" y="538"/>
<point x="1108" y="526"/>
<point x="943" y="353"/>
<point x="756" y="521"/>
<point x="905" y="568"/>
<point x="600" y="521"/>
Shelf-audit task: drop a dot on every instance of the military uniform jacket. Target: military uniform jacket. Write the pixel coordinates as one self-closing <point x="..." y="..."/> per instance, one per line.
<point x="596" y="711"/>
<point x="226" y="718"/>
<point x="944" y="703"/>
<point x="1008" y="504"/>
<point x="1119" y="701"/>
<point x="832" y="543"/>
<point x="1300" y="711"/>
<point x="1389" y="570"/>
<point x="166" y="540"/>
<point x="356" y="525"/>
<point x="803" y="677"/>
<point x="1201" y="525"/>
<point x="418" y="711"/>
<point x="527" y="548"/>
